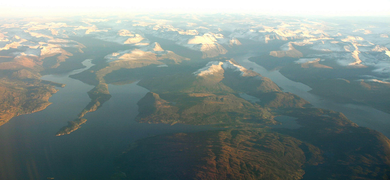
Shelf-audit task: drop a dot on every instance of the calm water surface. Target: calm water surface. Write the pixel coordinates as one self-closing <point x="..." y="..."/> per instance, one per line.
<point x="362" y="115"/>
<point x="29" y="148"/>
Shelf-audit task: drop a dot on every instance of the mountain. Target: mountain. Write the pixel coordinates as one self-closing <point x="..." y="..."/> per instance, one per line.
<point x="208" y="45"/>
<point x="230" y="154"/>
<point x="319" y="150"/>
<point x="25" y="96"/>
<point x="156" y="47"/>
<point x="234" y="42"/>
<point x="290" y="52"/>
<point x="199" y="109"/>
<point x="213" y="88"/>
<point x="187" y="65"/>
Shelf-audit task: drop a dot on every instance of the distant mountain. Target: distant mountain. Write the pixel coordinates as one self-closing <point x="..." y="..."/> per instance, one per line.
<point x="185" y="62"/>
<point x="213" y="88"/>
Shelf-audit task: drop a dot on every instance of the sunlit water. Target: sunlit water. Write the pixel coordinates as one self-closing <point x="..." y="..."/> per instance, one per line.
<point x="29" y="148"/>
<point x="362" y="115"/>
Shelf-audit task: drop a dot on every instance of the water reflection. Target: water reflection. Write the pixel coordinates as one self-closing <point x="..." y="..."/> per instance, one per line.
<point x="362" y="115"/>
<point x="29" y="148"/>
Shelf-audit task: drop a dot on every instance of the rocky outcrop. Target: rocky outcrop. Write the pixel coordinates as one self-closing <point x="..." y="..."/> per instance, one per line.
<point x="72" y="126"/>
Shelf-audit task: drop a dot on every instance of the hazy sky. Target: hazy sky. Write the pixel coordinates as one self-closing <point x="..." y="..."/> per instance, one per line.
<point x="273" y="7"/>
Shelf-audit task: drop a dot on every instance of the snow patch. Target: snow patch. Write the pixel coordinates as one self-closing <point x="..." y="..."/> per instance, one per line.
<point x="329" y="46"/>
<point x="306" y="60"/>
<point x="135" y="39"/>
<point x="205" y="39"/>
<point x="162" y="65"/>
<point x="125" y="32"/>
<point x="379" y="81"/>
<point x="234" y="41"/>
<point x="379" y="48"/>
<point x="216" y="66"/>
<point x="230" y="65"/>
<point x="388" y="53"/>
<point x="210" y="68"/>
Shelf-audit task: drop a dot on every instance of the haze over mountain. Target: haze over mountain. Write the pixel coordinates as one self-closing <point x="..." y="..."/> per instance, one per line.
<point x="299" y="7"/>
<point x="195" y="96"/>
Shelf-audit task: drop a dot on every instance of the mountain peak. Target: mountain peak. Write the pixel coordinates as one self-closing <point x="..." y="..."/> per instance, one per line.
<point x="124" y="32"/>
<point x="156" y="47"/>
<point x="210" y="68"/>
<point x="216" y="66"/>
<point x="234" y="41"/>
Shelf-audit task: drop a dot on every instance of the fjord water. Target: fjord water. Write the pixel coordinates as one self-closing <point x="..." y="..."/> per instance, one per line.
<point x="364" y="116"/>
<point x="29" y="148"/>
